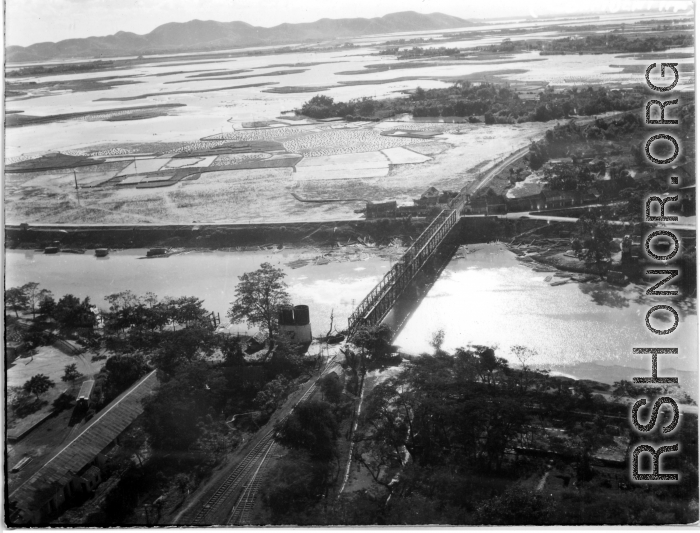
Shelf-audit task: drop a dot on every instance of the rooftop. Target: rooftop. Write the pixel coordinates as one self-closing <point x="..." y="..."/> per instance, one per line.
<point x="108" y="424"/>
<point x="524" y="189"/>
<point x="86" y="388"/>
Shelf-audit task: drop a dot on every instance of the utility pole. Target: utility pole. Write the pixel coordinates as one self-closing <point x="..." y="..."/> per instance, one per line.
<point x="77" y="192"/>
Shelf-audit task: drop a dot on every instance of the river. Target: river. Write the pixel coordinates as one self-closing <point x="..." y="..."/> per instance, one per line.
<point x="337" y="286"/>
<point x="589" y="330"/>
<point x="487" y="297"/>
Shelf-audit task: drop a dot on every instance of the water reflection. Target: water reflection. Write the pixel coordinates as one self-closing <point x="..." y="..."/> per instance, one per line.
<point x="491" y="298"/>
<point x="603" y="294"/>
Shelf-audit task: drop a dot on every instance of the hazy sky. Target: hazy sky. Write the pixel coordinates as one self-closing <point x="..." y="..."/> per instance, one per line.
<point x="33" y="21"/>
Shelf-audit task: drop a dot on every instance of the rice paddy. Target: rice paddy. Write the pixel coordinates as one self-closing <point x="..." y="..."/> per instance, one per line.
<point x="262" y="134"/>
<point x="210" y="171"/>
<point x="235" y="180"/>
<point x="343" y="167"/>
<point x="237" y="158"/>
<point x="402" y="156"/>
<point x="344" y="141"/>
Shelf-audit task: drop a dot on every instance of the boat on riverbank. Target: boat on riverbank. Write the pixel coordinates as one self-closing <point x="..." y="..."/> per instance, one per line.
<point x="153" y="252"/>
<point x="101" y="252"/>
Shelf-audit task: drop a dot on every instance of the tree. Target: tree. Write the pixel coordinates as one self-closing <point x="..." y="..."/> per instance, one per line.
<point x="593" y="243"/>
<point x="70" y="373"/>
<point x="274" y="392"/>
<point x="331" y="387"/>
<point x="34" y="295"/>
<point x="259" y="295"/>
<point x="38" y="385"/>
<point x="15" y="299"/>
<point x="231" y="350"/>
<point x="374" y="340"/>
<point x="523" y="354"/>
<point x="438" y="338"/>
<point x="186" y="310"/>
<point x="122" y="371"/>
<point x="47" y="306"/>
<point x="186" y="345"/>
<point x="312" y="426"/>
<point x="71" y="313"/>
<point x="517" y="506"/>
<point x="182" y="482"/>
<point x="179" y="412"/>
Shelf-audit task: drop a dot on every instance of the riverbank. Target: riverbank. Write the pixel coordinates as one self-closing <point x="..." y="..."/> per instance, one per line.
<point x="211" y="236"/>
<point x="222" y="236"/>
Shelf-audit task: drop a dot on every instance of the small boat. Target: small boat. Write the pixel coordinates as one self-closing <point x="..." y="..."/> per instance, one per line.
<point x="557" y="283"/>
<point x="51" y="250"/>
<point x="101" y="252"/>
<point x="335" y="339"/>
<point x="156" y="251"/>
<point x="617" y="278"/>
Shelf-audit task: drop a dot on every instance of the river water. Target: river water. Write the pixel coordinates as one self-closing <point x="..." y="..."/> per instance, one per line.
<point x="337" y="286"/>
<point x="487" y="297"/>
<point x="490" y="298"/>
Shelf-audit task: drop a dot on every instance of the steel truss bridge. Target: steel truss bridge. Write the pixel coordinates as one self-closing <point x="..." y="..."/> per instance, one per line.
<point x="377" y="304"/>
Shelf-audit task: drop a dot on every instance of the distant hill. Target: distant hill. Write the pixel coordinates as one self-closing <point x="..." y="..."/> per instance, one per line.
<point x="211" y="35"/>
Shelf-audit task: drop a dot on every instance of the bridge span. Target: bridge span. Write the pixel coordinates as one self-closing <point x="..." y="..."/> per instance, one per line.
<point x="380" y="300"/>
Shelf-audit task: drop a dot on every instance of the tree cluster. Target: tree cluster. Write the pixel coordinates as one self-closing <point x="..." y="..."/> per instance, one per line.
<point x="439" y="438"/>
<point x="499" y="104"/>
<point x="576" y="141"/>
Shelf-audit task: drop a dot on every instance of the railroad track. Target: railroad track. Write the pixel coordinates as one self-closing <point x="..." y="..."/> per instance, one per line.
<point x="240" y="514"/>
<point x="234" y="480"/>
<point x="253" y="463"/>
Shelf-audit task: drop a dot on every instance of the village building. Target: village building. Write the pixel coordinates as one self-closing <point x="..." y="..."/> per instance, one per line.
<point x="381" y="209"/>
<point x="79" y="467"/>
<point x="433" y="197"/>
<point x="489" y="203"/>
<point x="428" y="198"/>
<point x="525" y="196"/>
<point x="591" y="196"/>
<point x="558" y="199"/>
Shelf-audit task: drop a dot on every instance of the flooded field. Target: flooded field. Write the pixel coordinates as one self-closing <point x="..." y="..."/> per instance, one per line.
<point x="244" y="101"/>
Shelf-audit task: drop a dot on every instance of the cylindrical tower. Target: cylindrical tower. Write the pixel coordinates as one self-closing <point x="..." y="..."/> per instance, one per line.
<point x="286" y="315"/>
<point x="301" y="315"/>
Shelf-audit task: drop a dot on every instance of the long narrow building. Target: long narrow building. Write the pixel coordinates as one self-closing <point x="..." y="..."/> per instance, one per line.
<point x="78" y="467"/>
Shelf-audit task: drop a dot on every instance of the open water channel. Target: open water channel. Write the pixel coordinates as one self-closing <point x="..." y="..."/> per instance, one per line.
<point x="487" y="297"/>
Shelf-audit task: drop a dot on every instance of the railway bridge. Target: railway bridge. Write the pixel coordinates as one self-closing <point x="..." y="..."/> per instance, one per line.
<point x="380" y="300"/>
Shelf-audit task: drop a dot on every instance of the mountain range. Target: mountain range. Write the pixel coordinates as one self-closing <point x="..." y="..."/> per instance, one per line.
<point x="197" y="35"/>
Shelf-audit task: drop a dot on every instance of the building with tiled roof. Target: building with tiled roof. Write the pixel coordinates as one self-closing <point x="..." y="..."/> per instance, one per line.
<point x="77" y="467"/>
<point x="556" y="199"/>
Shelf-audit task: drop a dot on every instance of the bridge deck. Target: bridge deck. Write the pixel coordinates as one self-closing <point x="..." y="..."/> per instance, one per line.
<point x="375" y="306"/>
